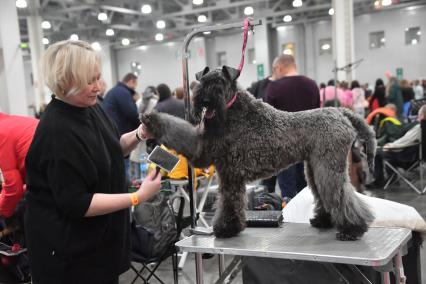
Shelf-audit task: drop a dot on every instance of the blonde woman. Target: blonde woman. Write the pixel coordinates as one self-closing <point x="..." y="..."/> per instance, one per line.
<point x="77" y="221"/>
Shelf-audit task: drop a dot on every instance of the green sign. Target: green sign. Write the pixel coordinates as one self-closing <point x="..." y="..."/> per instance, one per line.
<point x="260" y="72"/>
<point x="24" y="45"/>
<point x="399" y="73"/>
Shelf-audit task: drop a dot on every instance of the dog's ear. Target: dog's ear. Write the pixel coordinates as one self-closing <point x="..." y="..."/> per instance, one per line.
<point x="231" y="73"/>
<point x="201" y="74"/>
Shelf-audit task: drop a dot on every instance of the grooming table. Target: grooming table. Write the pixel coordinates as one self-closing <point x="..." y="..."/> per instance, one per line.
<point x="380" y="248"/>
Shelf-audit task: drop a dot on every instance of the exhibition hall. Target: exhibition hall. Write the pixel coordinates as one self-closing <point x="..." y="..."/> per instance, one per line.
<point x="202" y="141"/>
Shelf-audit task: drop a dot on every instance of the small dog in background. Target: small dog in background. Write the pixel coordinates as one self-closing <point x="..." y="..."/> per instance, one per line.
<point x="247" y="139"/>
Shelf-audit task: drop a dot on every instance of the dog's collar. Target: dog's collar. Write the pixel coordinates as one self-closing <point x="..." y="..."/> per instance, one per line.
<point x="229" y="104"/>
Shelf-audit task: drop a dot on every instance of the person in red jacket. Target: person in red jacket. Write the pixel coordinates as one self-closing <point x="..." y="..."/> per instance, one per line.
<point x="16" y="134"/>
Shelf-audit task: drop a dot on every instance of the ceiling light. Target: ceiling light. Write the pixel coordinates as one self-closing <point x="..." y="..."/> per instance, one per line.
<point x="146" y="9"/>
<point x="325" y="46"/>
<point x="297" y="3"/>
<point x="377" y="3"/>
<point x="281" y="28"/>
<point x="207" y="33"/>
<point x="143" y="47"/>
<point x="159" y="37"/>
<point x="74" y="37"/>
<point x="46" y="25"/>
<point x="96" y="46"/>
<point x="288" y="51"/>
<point x="419" y="33"/>
<point x="248" y="11"/>
<point x="161" y="24"/>
<point x="102" y="16"/>
<point x="331" y="11"/>
<point x="407" y="29"/>
<point x="109" y="32"/>
<point x="414" y="41"/>
<point x="21" y="3"/>
<point x="197" y="2"/>
<point x="45" y="40"/>
<point x="383" y="40"/>
<point x="125" y="41"/>
<point x="202" y="18"/>
<point x="287" y="18"/>
<point x="386" y="2"/>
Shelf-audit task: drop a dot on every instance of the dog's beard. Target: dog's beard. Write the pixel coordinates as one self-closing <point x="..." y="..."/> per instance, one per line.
<point x="215" y="125"/>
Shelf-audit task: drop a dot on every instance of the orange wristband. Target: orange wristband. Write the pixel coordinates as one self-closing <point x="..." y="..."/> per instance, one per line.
<point x="134" y="199"/>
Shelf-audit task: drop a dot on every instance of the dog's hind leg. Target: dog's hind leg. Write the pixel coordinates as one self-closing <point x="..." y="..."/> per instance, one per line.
<point x="229" y="218"/>
<point x="350" y="215"/>
<point x="321" y="219"/>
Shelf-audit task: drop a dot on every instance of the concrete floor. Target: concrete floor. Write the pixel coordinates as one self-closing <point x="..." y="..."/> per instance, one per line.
<point x="397" y="193"/>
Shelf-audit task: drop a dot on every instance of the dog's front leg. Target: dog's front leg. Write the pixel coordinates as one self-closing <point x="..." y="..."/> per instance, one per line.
<point x="175" y="133"/>
<point x="229" y="218"/>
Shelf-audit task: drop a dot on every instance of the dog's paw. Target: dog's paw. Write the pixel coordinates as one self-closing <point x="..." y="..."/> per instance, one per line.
<point x="228" y="230"/>
<point x="346" y="237"/>
<point x="351" y="232"/>
<point x="321" y="221"/>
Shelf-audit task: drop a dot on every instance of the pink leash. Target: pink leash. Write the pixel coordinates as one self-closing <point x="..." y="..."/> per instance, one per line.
<point x="240" y="68"/>
<point x="246" y="29"/>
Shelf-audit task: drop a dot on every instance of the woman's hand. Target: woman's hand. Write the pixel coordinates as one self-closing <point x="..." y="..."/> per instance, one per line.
<point x="150" y="186"/>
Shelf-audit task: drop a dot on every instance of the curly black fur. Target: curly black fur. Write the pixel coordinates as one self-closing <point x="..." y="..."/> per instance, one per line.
<point x="252" y="140"/>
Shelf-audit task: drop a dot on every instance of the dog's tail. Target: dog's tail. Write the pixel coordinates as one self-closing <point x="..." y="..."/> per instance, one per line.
<point x="365" y="133"/>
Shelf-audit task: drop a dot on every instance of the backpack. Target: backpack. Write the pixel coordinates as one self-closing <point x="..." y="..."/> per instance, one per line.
<point x="154" y="228"/>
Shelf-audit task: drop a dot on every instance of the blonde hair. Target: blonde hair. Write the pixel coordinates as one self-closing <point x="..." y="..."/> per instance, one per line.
<point x="69" y="66"/>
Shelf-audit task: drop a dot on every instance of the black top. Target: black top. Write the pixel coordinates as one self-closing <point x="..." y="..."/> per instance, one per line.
<point x="118" y="103"/>
<point x="293" y="93"/>
<point x="74" y="154"/>
<point x="172" y="106"/>
<point x="258" y="89"/>
<point x="407" y="94"/>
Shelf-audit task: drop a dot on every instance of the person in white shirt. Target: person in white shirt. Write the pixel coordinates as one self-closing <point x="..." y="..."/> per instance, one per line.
<point x="399" y="151"/>
<point x="418" y="90"/>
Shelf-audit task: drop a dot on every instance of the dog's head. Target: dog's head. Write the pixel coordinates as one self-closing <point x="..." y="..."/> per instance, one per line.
<point x="216" y="89"/>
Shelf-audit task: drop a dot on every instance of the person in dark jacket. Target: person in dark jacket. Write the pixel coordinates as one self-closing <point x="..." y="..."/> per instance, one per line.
<point x="378" y="99"/>
<point x="258" y="89"/>
<point x="169" y="104"/>
<point x="77" y="219"/>
<point x="394" y="96"/>
<point x="120" y="106"/>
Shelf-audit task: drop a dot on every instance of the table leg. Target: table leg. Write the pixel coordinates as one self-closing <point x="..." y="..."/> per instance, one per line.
<point x="397" y="263"/>
<point x="385" y="278"/>
<point x="199" y="267"/>
<point x="221" y="258"/>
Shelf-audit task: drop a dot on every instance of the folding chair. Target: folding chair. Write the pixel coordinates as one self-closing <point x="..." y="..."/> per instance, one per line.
<point x="417" y="162"/>
<point x="171" y="251"/>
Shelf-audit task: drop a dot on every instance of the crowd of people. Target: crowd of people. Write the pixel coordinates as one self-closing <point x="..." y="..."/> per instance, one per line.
<point x="73" y="162"/>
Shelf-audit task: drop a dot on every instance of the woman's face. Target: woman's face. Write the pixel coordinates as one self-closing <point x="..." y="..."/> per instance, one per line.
<point x="88" y="96"/>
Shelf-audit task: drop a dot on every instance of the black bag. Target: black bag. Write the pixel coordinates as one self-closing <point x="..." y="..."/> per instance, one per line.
<point x="154" y="228"/>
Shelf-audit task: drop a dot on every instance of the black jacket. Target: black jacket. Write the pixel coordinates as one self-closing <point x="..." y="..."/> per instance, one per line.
<point x="120" y="106"/>
<point x="75" y="153"/>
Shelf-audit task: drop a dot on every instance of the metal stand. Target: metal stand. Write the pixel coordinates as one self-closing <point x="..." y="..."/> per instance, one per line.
<point x="185" y="56"/>
<point x="346" y="68"/>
